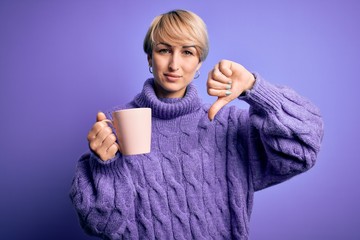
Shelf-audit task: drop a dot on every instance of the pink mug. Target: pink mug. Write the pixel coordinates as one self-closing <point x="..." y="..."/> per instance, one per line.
<point x="133" y="130"/>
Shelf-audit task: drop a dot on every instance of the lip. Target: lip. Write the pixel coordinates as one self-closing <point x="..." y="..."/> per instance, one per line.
<point x="172" y="77"/>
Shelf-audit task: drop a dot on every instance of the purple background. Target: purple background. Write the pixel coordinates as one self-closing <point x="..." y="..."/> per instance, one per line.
<point x="61" y="62"/>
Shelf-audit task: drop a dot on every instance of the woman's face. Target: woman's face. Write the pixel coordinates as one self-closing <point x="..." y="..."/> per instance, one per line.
<point x="174" y="67"/>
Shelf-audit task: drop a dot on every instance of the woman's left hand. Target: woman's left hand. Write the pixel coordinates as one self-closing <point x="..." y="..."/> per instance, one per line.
<point x="227" y="81"/>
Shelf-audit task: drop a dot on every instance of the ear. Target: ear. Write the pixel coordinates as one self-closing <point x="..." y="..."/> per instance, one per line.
<point x="199" y="66"/>
<point x="149" y="58"/>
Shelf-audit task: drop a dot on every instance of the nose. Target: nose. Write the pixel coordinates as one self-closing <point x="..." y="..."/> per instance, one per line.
<point x="174" y="62"/>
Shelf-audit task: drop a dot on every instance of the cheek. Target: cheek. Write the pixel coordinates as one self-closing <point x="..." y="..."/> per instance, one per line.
<point x="191" y="68"/>
<point x="158" y="64"/>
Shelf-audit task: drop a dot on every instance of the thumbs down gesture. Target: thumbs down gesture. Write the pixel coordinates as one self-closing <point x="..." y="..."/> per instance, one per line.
<point x="227" y="80"/>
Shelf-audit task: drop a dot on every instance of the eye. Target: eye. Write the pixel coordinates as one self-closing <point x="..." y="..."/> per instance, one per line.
<point x="189" y="53"/>
<point x="164" y="50"/>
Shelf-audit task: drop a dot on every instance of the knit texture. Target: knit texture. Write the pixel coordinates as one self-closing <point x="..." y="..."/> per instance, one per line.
<point x="199" y="180"/>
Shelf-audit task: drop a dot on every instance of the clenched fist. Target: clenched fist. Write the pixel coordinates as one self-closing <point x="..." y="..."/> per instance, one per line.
<point x="102" y="139"/>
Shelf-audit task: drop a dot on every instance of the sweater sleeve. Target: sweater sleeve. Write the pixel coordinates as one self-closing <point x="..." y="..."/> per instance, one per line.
<point x="102" y="194"/>
<point x="285" y="133"/>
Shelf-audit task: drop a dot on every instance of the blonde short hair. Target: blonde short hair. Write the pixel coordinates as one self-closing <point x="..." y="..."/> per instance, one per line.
<point x="178" y="26"/>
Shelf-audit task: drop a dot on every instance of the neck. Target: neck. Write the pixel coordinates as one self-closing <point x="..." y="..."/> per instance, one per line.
<point x="162" y="93"/>
<point x="167" y="107"/>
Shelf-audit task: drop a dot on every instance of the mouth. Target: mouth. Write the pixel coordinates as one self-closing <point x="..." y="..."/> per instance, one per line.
<point x="172" y="77"/>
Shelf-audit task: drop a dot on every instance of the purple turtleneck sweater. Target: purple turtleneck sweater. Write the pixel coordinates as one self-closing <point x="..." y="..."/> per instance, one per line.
<point x="199" y="180"/>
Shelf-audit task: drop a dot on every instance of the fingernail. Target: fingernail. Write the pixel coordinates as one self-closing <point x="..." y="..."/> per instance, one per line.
<point x="230" y="82"/>
<point x="228" y="93"/>
<point x="228" y="87"/>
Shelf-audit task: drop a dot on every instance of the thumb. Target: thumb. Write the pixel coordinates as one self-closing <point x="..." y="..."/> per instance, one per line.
<point x="217" y="105"/>
<point x="100" y="116"/>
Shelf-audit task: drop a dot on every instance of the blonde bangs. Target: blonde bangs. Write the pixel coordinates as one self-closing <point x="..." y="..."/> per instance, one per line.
<point x="173" y="28"/>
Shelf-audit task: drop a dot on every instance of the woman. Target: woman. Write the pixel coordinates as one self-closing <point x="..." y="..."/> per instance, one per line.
<point x="206" y="161"/>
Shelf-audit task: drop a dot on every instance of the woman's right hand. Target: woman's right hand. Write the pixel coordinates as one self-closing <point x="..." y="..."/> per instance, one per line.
<point x="102" y="139"/>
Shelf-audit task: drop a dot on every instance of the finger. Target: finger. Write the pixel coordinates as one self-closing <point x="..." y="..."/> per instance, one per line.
<point x="100" y="116"/>
<point x="218" y="93"/>
<point x="112" y="150"/>
<point x="217" y="75"/>
<point x="98" y="141"/>
<point x="97" y="127"/>
<point x="103" y="134"/>
<point x="108" y="142"/>
<point x="218" y="85"/>
<point x="215" y="108"/>
<point x="225" y="67"/>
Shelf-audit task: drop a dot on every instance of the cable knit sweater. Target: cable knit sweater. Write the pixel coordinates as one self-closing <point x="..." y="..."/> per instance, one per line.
<point x="199" y="180"/>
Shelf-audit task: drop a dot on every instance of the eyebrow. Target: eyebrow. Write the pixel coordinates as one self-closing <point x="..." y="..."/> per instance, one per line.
<point x="168" y="45"/>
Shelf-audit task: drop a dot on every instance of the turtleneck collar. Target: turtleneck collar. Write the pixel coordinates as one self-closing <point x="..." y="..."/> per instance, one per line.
<point x="167" y="108"/>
